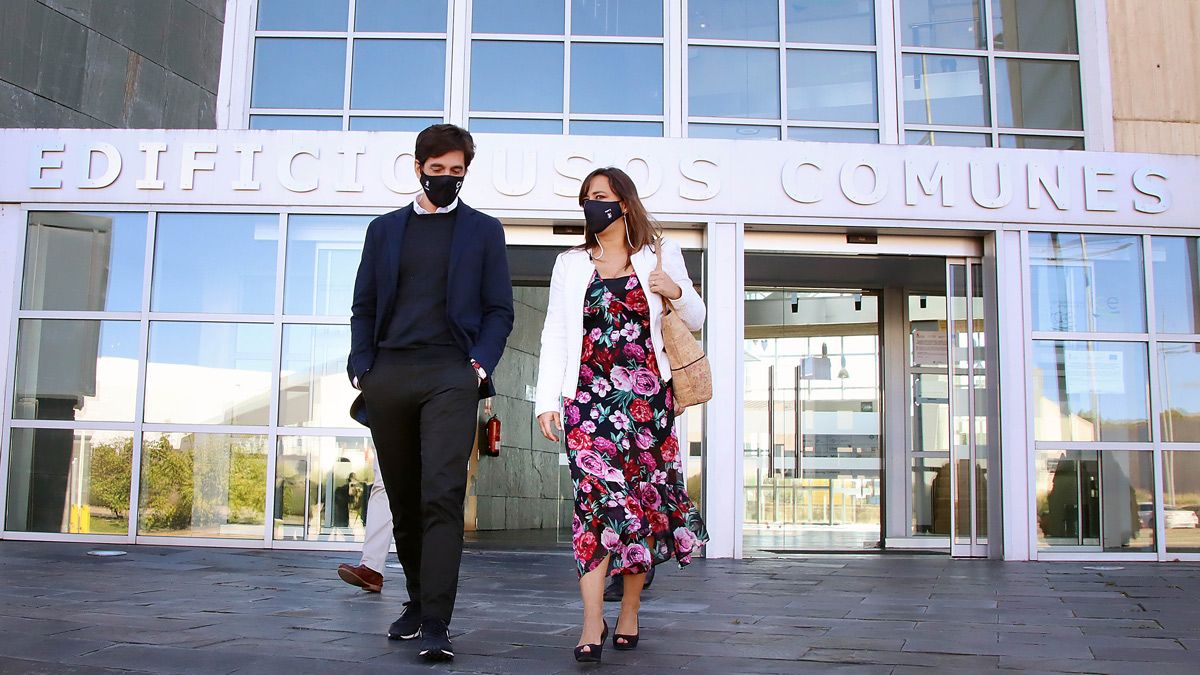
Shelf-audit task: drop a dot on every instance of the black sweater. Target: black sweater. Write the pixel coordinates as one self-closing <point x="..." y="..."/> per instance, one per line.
<point x="418" y="325"/>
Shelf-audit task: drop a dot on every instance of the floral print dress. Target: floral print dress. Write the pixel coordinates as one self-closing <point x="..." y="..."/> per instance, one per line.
<point x="630" y="498"/>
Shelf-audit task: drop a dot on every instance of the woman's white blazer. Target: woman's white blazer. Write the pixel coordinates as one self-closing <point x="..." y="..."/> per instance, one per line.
<point x="562" y="334"/>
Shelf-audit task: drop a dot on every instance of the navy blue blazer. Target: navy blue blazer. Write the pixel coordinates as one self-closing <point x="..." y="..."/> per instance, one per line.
<point x="479" y="300"/>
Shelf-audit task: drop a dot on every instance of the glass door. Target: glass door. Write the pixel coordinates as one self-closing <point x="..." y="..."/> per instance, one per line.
<point x="969" y="407"/>
<point x="812" y="447"/>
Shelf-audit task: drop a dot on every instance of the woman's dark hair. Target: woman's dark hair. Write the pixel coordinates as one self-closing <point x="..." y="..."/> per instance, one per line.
<point x="641" y="229"/>
<point x="438" y="139"/>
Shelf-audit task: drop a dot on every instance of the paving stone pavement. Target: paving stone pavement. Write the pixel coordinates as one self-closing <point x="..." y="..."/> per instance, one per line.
<point x="205" y="610"/>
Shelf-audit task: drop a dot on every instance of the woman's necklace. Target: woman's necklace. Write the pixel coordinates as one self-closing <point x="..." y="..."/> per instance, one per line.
<point x="608" y="271"/>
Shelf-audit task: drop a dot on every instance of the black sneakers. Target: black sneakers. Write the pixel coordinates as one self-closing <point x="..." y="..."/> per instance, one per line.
<point x="408" y="626"/>
<point x="435" y="641"/>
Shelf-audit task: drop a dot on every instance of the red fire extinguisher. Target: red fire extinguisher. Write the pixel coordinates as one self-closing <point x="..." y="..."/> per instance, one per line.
<point x="491" y="433"/>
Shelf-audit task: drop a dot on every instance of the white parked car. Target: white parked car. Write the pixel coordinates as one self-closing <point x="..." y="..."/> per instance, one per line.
<point x="1176" y="519"/>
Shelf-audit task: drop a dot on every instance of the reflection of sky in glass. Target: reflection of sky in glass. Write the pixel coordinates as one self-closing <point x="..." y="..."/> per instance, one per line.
<point x="223" y="346"/>
<point x="1090" y="282"/>
<point x="209" y="373"/>
<point x="538" y="89"/>
<point x="518" y="16"/>
<point x="602" y="128"/>
<point x="643" y="18"/>
<point x="945" y="23"/>
<point x="410" y="16"/>
<point x="733" y="82"/>
<point x="299" y="73"/>
<point x="377" y="84"/>
<point x="299" y="122"/>
<point x="836" y="86"/>
<point x="831" y="21"/>
<point x="1179" y="372"/>
<point x="303" y="14"/>
<point x="733" y="19"/>
<point x="485" y="125"/>
<point x="641" y="68"/>
<point x="314" y="390"/>
<point x="1176" y="263"/>
<point x="215" y="263"/>
<point x="322" y="260"/>
<point x="61" y="250"/>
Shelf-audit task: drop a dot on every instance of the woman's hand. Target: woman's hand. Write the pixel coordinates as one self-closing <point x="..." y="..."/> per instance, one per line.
<point x="664" y="285"/>
<point x="548" y="422"/>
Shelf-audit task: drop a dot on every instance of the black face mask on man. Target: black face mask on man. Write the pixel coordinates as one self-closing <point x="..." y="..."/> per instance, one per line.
<point x="598" y="215"/>
<point x="441" y="190"/>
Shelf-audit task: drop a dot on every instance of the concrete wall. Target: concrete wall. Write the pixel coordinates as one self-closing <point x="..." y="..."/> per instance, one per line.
<point x="110" y="63"/>
<point x="525" y="488"/>
<point x="1155" y="75"/>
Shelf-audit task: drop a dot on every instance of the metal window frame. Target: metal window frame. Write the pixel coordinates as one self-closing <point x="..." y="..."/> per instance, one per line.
<point x="990" y="54"/>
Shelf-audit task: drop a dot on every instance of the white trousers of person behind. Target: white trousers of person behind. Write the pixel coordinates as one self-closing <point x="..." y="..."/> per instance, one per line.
<point x="378" y="525"/>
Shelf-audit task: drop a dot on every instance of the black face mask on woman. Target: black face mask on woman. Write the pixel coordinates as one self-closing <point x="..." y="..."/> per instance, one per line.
<point x="598" y="215"/>
<point x="441" y="190"/>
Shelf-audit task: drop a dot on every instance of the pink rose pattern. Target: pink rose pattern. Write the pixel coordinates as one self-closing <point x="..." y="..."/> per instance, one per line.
<point x="630" y="498"/>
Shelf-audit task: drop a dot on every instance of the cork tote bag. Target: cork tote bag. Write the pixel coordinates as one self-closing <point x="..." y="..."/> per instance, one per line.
<point x="691" y="376"/>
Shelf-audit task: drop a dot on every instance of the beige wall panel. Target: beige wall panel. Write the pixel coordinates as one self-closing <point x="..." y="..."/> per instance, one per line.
<point x="1155" y="74"/>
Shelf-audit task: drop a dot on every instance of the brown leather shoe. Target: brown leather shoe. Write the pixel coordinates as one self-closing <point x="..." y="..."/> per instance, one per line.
<point x="362" y="576"/>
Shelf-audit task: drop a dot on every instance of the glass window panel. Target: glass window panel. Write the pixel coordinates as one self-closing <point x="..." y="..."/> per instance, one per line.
<point x="322" y="261"/>
<point x="931" y="496"/>
<point x="69" y="481"/>
<point x="942" y="23"/>
<point x="1041" y="142"/>
<point x="392" y="123"/>
<point x="76" y="370"/>
<point x="733" y="19"/>
<point x="1096" y="499"/>
<point x="832" y="86"/>
<point x="203" y="485"/>
<point x="736" y="132"/>
<point x="298" y="73"/>
<point x="941" y="89"/>
<point x="601" y="128"/>
<point x="322" y="485"/>
<point x="84" y="261"/>
<point x="733" y="82"/>
<point x="215" y="262"/>
<point x="638" y="18"/>
<point x="949" y="138"/>
<point x="540" y="87"/>
<point x="376" y="84"/>
<point x="297" y="122"/>
<point x="313" y="388"/>
<point x="831" y="21"/>
<point x="833" y="135"/>
<point x="1038" y="94"/>
<point x="400" y="16"/>
<point x="209" y="373"/>
<point x="1090" y="391"/>
<point x="1181" y="501"/>
<point x="1179" y="392"/>
<point x="641" y="68"/>
<point x="1087" y="282"/>
<point x="1035" y="26"/>
<point x="324" y="15"/>
<point x="1176" y="263"/>
<point x="532" y="17"/>
<point x="514" y="126"/>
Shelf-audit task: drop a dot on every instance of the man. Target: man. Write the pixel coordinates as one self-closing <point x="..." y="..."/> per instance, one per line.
<point x="368" y="573"/>
<point x="432" y="311"/>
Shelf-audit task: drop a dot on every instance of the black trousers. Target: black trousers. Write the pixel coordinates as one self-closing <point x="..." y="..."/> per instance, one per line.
<point x="423" y="420"/>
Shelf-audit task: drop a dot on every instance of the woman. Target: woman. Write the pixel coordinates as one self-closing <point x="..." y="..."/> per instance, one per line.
<point x="604" y="379"/>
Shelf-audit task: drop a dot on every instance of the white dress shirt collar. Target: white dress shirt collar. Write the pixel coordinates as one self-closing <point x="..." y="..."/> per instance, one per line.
<point x="420" y="210"/>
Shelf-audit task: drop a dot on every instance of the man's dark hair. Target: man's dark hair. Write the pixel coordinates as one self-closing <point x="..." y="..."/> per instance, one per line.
<point x="438" y="139"/>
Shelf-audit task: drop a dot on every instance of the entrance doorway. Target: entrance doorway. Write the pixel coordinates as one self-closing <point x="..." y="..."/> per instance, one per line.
<point x="866" y="400"/>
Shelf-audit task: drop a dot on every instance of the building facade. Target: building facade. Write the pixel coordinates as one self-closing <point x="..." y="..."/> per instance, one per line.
<point x="950" y="251"/>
